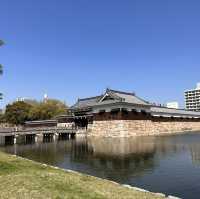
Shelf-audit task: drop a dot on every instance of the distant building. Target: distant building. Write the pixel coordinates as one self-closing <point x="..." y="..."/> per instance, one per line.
<point x="192" y="99"/>
<point x="173" y="105"/>
<point x="20" y="99"/>
<point x="26" y="100"/>
<point x="45" y="97"/>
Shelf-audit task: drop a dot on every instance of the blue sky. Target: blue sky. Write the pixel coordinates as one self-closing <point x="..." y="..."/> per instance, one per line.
<point x="77" y="48"/>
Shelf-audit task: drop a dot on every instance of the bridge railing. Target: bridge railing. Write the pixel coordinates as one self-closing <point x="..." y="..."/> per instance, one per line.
<point x="15" y="131"/>
<point x="35" y="130"/>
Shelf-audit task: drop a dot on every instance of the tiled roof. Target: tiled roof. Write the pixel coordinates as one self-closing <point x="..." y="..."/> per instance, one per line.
<point x="114" y="96"/>
<point x="86" y="102"/>
<point x="119" y="96"/>
<point x="163" y="110"/>
<point x="130" y="97"/>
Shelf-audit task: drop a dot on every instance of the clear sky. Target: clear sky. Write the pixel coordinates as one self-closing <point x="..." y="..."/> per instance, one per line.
<point x="77" y="48"/>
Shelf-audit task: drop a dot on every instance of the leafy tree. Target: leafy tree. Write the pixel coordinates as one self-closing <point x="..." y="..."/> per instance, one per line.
<point x="17" y="113"/>
<point x="32" y="102"/>
<point x="2" y="118"/>
<point x="47" y="109"/>
<point x="21" y="111"/>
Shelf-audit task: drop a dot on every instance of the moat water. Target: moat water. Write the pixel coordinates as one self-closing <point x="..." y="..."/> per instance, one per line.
<point x="167" y="164"/>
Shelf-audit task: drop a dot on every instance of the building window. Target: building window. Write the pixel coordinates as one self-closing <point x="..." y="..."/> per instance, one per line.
<point x="101" y="112"/>
<point x="115" y="110"/>
<point x="134" y="111"/>
<point x="124" y="110"/>
<point x="143" y="112"/>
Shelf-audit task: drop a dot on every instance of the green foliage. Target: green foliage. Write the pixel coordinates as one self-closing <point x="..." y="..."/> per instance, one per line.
<point x="32" y="102"/>
<point x="47" y="110"/>
<point x="2" y="118"/>
<point x="19" y="112"/>
<point x="20" y="178"/>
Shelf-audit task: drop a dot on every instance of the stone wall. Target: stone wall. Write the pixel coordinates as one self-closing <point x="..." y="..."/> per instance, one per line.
<point x="127" y="128"/>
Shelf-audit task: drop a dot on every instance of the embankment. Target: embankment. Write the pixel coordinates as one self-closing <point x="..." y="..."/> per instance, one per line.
<point x="21" y="178"/>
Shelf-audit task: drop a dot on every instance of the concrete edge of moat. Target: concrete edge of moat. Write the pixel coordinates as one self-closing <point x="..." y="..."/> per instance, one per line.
<point x="124" y="185"/>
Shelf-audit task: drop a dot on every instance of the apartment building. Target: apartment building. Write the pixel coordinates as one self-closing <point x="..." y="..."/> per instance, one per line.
<point x="192" y="99"/>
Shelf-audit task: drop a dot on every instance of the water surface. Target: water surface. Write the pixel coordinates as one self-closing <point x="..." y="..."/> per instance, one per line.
<point x="167" y="164"/>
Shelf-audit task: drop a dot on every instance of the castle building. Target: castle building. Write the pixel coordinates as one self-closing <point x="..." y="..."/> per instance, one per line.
<point x="119" y="113"/>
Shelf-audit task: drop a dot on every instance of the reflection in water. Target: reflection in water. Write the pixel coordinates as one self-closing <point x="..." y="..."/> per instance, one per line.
<point x="122" y="147"/>
<point x="195" y="153"/>
<point x="169" y="164"/>
<point x="120" y="158"/>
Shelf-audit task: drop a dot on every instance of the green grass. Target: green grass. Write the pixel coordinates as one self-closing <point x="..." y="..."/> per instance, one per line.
<point x="23" y="179"/>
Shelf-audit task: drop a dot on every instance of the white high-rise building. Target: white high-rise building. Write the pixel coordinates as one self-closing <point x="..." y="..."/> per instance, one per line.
<point x="192" y="99"/>
<point x="45" y="97"/>
<point x="173" y="105"/>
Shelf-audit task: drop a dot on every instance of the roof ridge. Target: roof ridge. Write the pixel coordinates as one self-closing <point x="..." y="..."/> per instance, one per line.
<point x="143" y="99"/>
<point x="129" y="93"/>
<point x="122" y="92"/>
<point x="180" y="109"/>
<point x="83" y="99"/>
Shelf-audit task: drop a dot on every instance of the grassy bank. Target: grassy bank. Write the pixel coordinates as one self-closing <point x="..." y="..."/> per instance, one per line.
<point x="21" y="178"/>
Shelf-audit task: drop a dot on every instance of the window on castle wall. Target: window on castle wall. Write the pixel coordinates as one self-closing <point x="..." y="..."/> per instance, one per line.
<point x="134" y="111"/>
<point x="124" y="111"/>
<point x="143" y="112"/>
<point x="115" y="111"/>
<point x="101" y="112"/>
<point x="112" y="116"/>
<point x="161" y="117"/>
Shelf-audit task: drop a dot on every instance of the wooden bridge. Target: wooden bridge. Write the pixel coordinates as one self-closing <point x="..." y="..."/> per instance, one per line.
<point x="52" y="133"/>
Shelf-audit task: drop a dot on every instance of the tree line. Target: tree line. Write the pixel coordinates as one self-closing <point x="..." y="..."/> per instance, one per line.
<point x="20" y="111"/>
